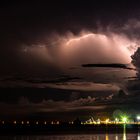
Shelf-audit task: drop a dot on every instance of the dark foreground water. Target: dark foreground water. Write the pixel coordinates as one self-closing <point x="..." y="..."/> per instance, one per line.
<point x="123" y="136"/>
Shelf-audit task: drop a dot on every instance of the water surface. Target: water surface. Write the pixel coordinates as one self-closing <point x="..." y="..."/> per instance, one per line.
<point x="123" y="136"/>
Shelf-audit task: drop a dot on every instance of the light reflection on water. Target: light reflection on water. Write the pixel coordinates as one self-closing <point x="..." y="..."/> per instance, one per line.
<point x="122" y="136"/>
<point x="124" y="132"/>
<point x="138" y="137"/>
<point x="76" y="137"/>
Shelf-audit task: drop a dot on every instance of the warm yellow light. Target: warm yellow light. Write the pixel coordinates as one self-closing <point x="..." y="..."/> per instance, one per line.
<point x="45" y="122"/>
<point x="15" y="122"/>
<point x="98" y="121"/>
<point x="107" y="121"/>
<point x="28" y="122"/>
<point x="22" y="122"/>
<point x="37" y="122"/>
<point x="116" y="120"/>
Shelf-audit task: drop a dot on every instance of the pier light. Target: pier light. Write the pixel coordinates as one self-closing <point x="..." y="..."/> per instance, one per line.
<point x="116" y="120"/>
<point x="28" y="122"/>
<point x="107" y="121"/>
<point x="98" y="121"/>
<point x="45" y="122"/>
<point x="22" y="122"/>
<point x="2" y="122"/>
<point x="124" y="119"/>
<point x="37" y="122"/>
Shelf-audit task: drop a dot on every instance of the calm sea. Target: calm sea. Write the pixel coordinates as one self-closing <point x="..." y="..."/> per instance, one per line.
<point x="123" y="136"/>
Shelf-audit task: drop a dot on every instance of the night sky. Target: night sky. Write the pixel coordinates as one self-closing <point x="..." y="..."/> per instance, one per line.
<point x="77" y="58"/>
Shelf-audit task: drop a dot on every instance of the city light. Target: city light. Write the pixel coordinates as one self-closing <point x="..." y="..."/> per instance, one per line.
<point x="98" y="121"/>
<point x="116" y="120"/>
<point x="107" y="121"/>
<point x="124" y="119"/>
<point x="138" y="118"/>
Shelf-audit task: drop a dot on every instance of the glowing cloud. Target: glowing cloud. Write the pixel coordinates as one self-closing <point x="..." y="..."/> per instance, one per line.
<point x="97" y="48"/>
<point x="70" y="51"/>
<point x="87" y="47"/>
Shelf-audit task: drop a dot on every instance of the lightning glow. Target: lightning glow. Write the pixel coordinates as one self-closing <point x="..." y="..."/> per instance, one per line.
<point x="96" y="48"/>
<point x="71" y="50"/>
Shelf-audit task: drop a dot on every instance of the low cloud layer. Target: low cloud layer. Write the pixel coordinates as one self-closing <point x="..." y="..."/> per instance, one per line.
<point x="82" y="106"/>
<point x="83" y="86"/>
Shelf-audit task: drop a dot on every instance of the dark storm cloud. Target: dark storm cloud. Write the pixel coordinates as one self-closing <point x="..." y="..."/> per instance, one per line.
<point x="49" y="106"/>
<point x="130" y="28"/>
<point x="54" y="59"/>
<point x="41" y="41"/>
<point x="136" y="60"/>
<point x="90" y="105"/>
<point x="123" y="66"/>
<point x="133" y="84"/>
<point x="72" y="51"/>
<point x="30" y="23"/>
